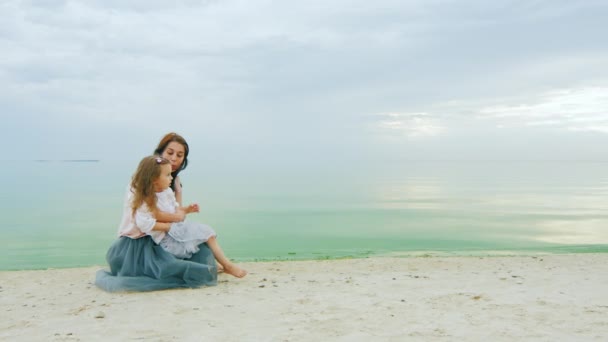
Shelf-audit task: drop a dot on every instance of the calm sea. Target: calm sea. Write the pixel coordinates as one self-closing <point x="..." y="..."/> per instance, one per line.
<point x="65" y="213"/>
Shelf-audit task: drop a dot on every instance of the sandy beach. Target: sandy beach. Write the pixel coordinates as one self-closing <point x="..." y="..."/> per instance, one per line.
<point x="536" y="298"/>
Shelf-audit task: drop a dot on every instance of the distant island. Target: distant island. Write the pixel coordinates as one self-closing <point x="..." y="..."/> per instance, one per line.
<point x="67" y="160"/>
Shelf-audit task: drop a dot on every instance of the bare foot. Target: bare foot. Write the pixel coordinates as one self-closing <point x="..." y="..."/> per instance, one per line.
<point x="220" y="268"/>
<point x="235" y="271"/>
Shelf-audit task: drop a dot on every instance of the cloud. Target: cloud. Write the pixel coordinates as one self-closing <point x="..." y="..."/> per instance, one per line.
<point x="281" y="71"/>
<point x="575" y="110"/>
<point x="584" y="109"/>
<point x="408" y="125"/>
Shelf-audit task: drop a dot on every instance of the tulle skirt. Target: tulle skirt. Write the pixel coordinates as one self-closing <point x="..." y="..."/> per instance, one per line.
<point x="184" y="238"/>
<point x="142" y="265"/>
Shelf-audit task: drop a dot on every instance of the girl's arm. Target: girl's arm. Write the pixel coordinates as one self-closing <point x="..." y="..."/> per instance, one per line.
<point x="178" y="190"/>
<point x="179" y="216"/>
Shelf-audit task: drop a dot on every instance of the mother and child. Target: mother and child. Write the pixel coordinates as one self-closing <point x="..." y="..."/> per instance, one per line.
<point x="157" y="248"/>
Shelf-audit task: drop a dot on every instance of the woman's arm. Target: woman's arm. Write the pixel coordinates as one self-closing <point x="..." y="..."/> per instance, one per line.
<point x="178" y="190"/>
<point x="162" y="226"/>
<point x="146" y="221"/>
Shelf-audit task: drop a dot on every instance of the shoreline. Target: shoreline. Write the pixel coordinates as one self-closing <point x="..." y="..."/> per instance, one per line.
<point x="541" y="297"/>
<point x="562" y="250"/>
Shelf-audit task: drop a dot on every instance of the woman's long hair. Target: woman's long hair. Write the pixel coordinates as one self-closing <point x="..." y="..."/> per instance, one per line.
<point x="162" y="145"/>
<point x="142" y="183"/>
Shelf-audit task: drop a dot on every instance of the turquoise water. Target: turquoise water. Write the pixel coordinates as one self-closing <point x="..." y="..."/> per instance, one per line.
<point x="65" y="214"/>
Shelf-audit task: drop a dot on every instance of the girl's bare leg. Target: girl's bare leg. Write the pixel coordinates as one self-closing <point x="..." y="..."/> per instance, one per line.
<point x="229" y="267"/>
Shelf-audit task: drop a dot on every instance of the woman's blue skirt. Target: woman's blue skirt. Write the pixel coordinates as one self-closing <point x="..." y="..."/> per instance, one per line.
<point x="142" y="265"/>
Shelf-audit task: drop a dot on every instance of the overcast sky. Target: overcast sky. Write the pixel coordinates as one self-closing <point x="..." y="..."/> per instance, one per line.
<point x="265" y="81"/>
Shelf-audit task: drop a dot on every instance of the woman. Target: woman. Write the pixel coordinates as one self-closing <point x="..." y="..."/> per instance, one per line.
<point x="174" y="148"/>
<point x="137" y="263"/>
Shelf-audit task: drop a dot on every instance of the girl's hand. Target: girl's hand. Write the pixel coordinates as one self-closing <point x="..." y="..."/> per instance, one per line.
<point x="192" y="208"/>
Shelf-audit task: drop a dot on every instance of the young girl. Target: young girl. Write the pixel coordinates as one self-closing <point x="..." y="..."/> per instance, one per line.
<point x="152" y="195"/>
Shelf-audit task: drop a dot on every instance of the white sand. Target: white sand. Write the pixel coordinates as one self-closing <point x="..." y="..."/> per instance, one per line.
<point x="542" y="298"/>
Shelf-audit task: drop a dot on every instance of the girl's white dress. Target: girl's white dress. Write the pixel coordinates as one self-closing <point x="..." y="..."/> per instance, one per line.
<point x="184" y="237"/>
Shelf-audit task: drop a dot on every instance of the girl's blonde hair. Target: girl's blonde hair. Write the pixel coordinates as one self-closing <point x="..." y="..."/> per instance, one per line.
<point x="142" y="183"/>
